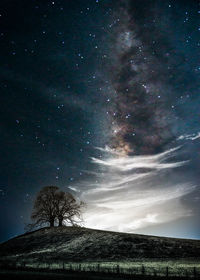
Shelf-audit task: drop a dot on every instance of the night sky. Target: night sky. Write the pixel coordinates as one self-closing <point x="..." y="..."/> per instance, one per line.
<point x="101" y="98"/>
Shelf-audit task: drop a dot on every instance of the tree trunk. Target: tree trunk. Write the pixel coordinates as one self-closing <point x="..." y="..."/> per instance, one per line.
<point x="60" y="222"/>
<point x="51" y="223"/>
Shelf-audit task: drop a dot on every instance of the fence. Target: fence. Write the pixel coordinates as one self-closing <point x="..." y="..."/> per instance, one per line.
<point x="165" y="271"/>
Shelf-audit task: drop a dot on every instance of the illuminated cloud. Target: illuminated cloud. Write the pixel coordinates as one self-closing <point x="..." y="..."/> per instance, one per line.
<point x="134" y="192"/>
<point x="189" y="136"/>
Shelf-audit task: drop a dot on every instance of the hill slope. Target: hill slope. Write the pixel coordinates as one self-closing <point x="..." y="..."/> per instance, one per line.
<point x="82" y="244"/>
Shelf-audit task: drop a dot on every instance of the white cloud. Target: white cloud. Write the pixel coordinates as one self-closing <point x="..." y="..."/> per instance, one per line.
<point x="189" y="136"/>
<point x="133" y="192"/>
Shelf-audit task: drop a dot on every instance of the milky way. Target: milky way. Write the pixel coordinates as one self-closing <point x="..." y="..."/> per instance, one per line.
<point x="142" y="69"/>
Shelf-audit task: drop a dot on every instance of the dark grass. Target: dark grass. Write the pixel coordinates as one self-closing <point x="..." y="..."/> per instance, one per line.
<point x="13" y="274"/>
<point x="96" y="245"/>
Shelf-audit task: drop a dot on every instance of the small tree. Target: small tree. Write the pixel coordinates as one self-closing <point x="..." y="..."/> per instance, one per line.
<point x="52" y="205"/>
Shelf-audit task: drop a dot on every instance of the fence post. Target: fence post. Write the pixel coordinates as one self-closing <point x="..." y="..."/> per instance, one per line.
<point x="98" y="267"/>
<point x="195" y="272"/>
<point x="167" y="271"/>
<point x="143" y="270"/>
<point x="154" y="272"/>
<point x="118" y="270"/>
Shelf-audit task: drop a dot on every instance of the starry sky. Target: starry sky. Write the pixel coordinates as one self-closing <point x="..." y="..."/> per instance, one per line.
<point x="101" y="98"/>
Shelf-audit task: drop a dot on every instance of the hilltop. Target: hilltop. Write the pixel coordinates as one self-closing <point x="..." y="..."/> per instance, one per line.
<point x="83" y="244"/>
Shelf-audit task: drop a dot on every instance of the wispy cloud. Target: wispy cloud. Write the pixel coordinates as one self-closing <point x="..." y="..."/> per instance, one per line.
<point x="133" y="192"/>
<point x="129" y="163"/>
<point x="189" y="136"/>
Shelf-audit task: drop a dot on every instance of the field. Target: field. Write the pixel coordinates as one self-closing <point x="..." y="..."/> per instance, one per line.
<point x="41" y="275"/>
<point x="161" y="268"/>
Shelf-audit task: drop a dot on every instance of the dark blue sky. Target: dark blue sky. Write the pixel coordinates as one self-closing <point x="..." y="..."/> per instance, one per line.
<point x="62" y="65"/>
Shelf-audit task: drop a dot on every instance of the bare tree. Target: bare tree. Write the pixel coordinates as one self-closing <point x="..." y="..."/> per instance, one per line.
<point x="45" y="206"/>
<point x="52" y="205"/>
<point x="68" y="209"/>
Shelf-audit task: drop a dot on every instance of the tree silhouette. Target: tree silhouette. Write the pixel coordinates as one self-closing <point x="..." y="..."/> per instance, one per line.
<point x="53" y="205"/>
<point x="68" y="210"/>
<point x="44" y="206"/>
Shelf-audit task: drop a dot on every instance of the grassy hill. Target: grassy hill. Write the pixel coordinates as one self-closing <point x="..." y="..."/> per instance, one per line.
<point x="83" y="244"/>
